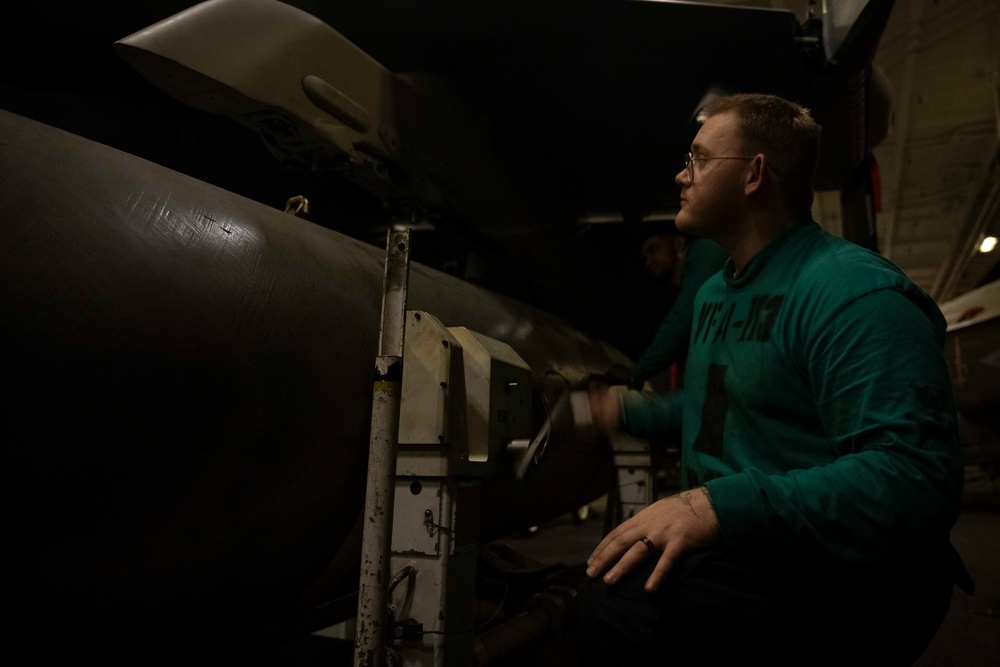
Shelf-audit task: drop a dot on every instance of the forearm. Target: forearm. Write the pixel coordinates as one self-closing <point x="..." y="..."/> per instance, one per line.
<point x="652" y="415"/>
<point x="668" y="346"/>
<point x="859" y="508"/>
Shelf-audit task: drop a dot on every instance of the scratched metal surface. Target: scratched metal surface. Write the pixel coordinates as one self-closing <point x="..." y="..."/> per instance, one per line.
<point x="189" y="378"/>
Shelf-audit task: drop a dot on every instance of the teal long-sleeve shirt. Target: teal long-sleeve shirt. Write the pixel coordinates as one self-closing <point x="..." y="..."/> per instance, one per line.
<point x="817" y="405"/>
<point x="702" y="259"/>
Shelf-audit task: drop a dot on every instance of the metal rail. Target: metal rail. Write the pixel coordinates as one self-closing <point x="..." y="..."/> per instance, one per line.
<point x="371" y="634"/>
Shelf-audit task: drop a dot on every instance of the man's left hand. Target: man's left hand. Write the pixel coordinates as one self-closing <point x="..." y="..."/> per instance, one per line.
<point x="669" y="528"/>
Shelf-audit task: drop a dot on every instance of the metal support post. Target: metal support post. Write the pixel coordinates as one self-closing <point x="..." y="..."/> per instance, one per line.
<point x="370" y="642"/>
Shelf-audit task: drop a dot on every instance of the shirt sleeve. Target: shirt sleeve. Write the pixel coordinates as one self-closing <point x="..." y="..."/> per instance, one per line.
<point x="883" y="396"/>
<point x="703" y="259"/>
<point x="649" y="415"/>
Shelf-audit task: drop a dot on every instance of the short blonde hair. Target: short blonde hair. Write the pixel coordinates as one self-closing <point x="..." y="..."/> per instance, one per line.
<point x="783" y="131"/>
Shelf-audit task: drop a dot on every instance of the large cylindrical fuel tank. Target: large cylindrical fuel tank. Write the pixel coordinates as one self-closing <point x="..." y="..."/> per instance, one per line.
<point x="188" y="380"/>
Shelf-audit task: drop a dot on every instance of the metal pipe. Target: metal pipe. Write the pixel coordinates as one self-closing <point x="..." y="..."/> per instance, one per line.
<point x="546" y="611"/>
<point x="370" y="637"/>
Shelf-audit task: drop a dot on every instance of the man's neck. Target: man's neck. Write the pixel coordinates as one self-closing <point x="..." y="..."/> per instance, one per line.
<point x="753" y="235"/>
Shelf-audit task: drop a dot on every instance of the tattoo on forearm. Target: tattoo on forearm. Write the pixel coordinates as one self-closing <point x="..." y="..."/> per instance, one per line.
<point x="685" y="497"/>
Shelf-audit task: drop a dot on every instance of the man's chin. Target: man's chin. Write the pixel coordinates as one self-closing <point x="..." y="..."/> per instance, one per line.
<point x="689" y="226"/>
<point x="683" y="222"/>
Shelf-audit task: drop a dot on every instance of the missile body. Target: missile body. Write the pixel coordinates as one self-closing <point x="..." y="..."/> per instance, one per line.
<point x="189" y="380"/>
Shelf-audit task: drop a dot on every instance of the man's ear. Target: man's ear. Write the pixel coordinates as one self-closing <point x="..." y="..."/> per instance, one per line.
<point x="755" y="174"/>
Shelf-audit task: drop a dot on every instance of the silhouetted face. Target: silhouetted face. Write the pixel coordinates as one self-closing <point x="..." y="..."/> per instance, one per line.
<point x="659" y="256"/>
<point x="712" y="189"/>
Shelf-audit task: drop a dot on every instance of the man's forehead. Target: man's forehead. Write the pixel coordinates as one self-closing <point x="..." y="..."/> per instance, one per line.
<point x="717" y="129"/>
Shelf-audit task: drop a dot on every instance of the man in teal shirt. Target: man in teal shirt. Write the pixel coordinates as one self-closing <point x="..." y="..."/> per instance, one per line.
<point x="690" y="261"/>
<point x="820" y="461"/>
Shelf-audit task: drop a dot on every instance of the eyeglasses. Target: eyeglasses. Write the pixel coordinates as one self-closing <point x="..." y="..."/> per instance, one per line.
<point x="690" y="159"/>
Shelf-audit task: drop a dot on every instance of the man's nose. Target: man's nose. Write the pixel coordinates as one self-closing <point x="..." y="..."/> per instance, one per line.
<point x="681" y="178"/>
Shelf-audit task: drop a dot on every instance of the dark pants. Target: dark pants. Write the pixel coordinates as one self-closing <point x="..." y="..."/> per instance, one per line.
<point x="738" y="607"/>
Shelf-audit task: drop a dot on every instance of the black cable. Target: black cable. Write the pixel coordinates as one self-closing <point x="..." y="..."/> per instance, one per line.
<point x="545" y="402"/>
<point x="402" y="574"/>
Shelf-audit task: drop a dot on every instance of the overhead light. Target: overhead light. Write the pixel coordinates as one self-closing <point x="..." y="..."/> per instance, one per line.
<point x="605" y="218"/>
<point x="988" y="244"/>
